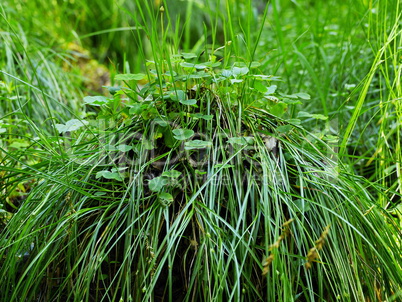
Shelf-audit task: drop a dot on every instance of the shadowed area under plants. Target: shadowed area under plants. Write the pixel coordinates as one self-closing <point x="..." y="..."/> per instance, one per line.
<point x="198" y="193"/>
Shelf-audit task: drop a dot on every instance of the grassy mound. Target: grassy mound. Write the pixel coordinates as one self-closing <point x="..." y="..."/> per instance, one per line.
<point x="193" y="178"/>
<point x="202" y="194"/>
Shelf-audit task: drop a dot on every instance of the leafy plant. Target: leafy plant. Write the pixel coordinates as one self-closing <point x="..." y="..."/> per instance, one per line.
<point x="214" y="203"/>
<point x="195" y="179"/>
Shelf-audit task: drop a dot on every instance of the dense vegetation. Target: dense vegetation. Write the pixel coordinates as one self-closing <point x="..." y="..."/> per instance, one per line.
<point x="200" y="150"/>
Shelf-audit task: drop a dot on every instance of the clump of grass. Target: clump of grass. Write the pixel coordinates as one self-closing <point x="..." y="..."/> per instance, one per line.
<point x="187" y="177"/>
<point x="185" y="199"/>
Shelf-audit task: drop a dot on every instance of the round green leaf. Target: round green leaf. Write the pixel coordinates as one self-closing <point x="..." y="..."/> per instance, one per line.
<point x="166" y="198"/>
<point x="137" y="108"/>
<point x="109" y="175"/>
<point x="207" y="117"/>
<point x="19" y="144"/>
<point x="290" y="96"/>
<point x="207" y="65"/>
<point x="284" y="128"/>
<point x="129" y="77"/>
<point x="161" y="122"/>
<point x="278" y="109"/>
<point x="199" y="75"/>
<point x="170" y="73"/>
<point x="156" y="184"/>
<point x="239" y="71"/>
<point x="255" y="64"/>
<point x="303" y="95"/>
<point x="171" y="174"/>
<point x="315" y="116"/>
<point x="271" y="89"/>
<point x="226" y="73"/>
<point x="113" y="90"/>
<point x="188" y="55"/>
<point x="320" y="117"/>
<point x="187" y="65"/>
<point x="71" y="125"/>
<point x="110" y="147"/>
<point x="178" y="95"/>
<point x="96" y="100"/>
<point x="124" y="148"/>
<point x="182" y="134"/>
<point x="197" y="144"/>
<point x="304" y="114"/>
<point x="259" y="86"/>
<point x="291" y="101"/>
<point x="189" y="102"/>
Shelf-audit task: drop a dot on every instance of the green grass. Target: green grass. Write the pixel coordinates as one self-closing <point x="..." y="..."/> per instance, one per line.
<point x="202" y="176"/>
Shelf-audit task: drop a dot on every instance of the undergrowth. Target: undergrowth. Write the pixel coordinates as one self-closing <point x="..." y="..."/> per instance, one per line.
<point x="193" y="177"/>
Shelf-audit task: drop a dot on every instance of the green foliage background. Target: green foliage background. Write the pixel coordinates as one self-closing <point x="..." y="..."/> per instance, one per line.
<point x="239" y="151"/>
